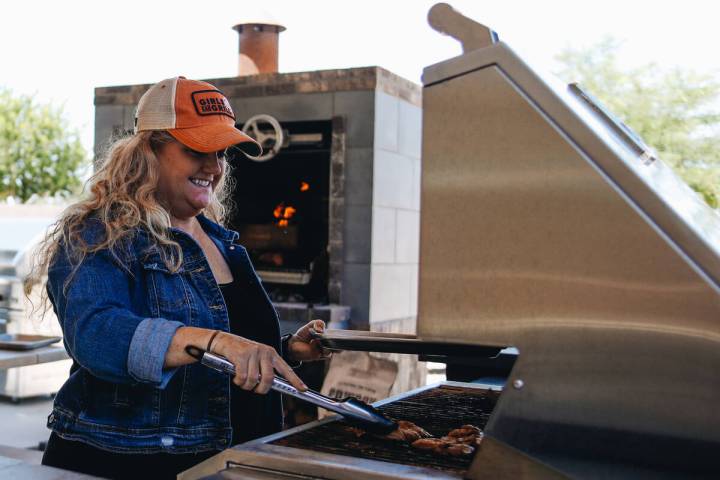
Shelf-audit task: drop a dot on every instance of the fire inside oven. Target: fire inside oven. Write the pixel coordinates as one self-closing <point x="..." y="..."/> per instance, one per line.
<point x="281" y="212"/>
<point x="437" y="410"/>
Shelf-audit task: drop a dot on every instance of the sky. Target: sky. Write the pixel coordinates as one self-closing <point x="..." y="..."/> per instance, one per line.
<point x="61" y="50"/>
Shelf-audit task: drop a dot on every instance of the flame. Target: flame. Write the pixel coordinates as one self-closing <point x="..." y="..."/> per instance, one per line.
<point x="304" y="186"/>
<point x="277" y="213"/>
<point x="283" y="214"/>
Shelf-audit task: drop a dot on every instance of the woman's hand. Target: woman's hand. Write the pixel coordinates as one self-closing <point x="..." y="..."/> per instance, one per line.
<point x="303" y="347"/>
<point x="255" y="363"/>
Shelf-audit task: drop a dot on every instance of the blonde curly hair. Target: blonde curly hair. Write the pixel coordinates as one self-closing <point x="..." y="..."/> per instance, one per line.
<point x="121" y="196"/>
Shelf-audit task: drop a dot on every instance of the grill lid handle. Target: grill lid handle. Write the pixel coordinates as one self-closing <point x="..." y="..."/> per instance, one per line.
<point x="471" y="34"/>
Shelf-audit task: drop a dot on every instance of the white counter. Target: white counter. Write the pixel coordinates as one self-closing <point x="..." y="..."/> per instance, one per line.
<point x="18" y="358"/>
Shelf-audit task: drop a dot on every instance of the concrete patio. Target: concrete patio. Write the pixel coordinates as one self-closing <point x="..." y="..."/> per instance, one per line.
<point x="23" y="425"/>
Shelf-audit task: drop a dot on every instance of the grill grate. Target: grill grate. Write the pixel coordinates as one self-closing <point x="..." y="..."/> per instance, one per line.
<point x="437" y="410"/>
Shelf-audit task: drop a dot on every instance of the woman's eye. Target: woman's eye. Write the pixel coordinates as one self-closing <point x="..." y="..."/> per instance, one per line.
<point x="194" y="153"/>
<point x="221" y="155"/>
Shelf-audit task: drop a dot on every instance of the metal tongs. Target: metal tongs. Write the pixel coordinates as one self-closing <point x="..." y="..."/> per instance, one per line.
<point x="353" y="410"/>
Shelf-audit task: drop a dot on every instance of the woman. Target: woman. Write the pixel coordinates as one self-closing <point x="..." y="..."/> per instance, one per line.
<point x="141" y="269"/>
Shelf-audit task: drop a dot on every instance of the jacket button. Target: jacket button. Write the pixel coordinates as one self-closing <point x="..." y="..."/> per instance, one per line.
<point x="232" y="247"/>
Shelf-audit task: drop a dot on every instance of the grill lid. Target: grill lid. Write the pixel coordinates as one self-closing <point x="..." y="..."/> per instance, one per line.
<point x="547" y="226"/>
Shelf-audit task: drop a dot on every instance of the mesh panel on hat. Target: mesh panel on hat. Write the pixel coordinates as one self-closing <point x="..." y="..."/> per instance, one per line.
<point x="156" y="109"/>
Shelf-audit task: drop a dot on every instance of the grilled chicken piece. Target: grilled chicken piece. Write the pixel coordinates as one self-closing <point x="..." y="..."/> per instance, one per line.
<point x="467" y="434"/>
<point x="473" y="440"/>
<point x="464" y="431"/>
<point x="457" y="443"/>
<point x="460" y="450"/>
<point x="408" y="432"/>
<point x="442" y="446"/>
<point x="428" y="444"/>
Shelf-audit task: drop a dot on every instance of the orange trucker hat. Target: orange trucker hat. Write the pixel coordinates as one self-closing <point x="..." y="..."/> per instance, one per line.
<point x="196" y="113"/>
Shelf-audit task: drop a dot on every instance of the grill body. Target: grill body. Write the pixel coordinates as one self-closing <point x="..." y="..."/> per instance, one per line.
<point x="548" y="226"/>
<point x="327" y="449"/>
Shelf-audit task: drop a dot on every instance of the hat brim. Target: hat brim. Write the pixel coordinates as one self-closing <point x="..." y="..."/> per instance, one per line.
<point x="216" y="137"/>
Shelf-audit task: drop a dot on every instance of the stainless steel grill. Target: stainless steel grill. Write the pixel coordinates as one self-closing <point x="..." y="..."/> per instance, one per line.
<point x="23" y="226"/>
<point x="548" y="226"/>
<point x="7" y="281"/>
<point x="7" y="278"/>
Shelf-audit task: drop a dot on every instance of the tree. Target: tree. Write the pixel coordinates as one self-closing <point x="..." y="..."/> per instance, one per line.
<point x="673" y="111"/>
<point x="39" y="154"/>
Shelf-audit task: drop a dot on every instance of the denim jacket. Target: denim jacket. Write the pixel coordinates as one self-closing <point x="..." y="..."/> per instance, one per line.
<point x="118" y="316"/>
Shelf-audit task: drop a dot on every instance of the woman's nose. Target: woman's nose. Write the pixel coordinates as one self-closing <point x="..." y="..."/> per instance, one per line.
<point x="213" y="163"/>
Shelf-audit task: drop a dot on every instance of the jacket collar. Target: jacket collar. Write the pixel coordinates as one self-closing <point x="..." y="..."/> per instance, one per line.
<point x="217" y="231"/>
<point x="214" y="230"/>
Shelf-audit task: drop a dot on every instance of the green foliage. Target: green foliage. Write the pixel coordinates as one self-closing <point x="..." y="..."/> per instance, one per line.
<point x="673" y="111"/>
<point x="39" y="154"/>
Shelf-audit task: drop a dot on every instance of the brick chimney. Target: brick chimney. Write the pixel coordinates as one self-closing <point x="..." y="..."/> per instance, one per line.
<point x="258" y="47"/>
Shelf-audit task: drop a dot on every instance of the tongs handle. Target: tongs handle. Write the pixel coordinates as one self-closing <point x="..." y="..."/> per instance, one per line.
<point x="222" y="364"/>
<point x="366" y="416"/>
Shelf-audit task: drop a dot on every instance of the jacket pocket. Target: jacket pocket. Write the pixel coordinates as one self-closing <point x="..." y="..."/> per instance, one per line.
<point x="120" y="407"/>
<point x="122" y="397"/>
<point x="168" y="293"/>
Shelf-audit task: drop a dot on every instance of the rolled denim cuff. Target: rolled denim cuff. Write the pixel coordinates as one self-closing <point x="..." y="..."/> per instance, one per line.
<point x="148" y="347"/>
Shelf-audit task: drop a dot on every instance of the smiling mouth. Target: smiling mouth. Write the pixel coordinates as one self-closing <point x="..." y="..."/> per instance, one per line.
<point x="200" y="183"/>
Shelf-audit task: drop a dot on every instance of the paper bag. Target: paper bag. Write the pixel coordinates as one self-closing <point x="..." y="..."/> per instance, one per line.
<point x="359" y="375"/>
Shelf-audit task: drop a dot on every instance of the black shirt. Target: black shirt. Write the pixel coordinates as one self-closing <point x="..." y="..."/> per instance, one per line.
<point x="251" y="415"/>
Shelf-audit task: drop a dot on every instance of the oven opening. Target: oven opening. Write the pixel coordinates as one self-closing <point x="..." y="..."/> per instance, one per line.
<point x="281" y="211"/>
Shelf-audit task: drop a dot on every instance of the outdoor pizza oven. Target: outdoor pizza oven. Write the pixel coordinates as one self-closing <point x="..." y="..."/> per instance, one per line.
<point x="330" y="212"/>
<point x="547" y="225"/>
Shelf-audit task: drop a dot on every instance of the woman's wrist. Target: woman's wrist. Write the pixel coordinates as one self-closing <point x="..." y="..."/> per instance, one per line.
<point x="286" y="348"/>
<point x="219" y="342"/>
<point x="211" y="341"/>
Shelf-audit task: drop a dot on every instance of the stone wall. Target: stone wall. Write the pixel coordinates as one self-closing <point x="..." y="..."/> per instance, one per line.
<point x="396" y="228"/>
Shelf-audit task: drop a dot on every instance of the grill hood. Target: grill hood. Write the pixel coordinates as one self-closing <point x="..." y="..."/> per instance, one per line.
<point x="546" y="225"/>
